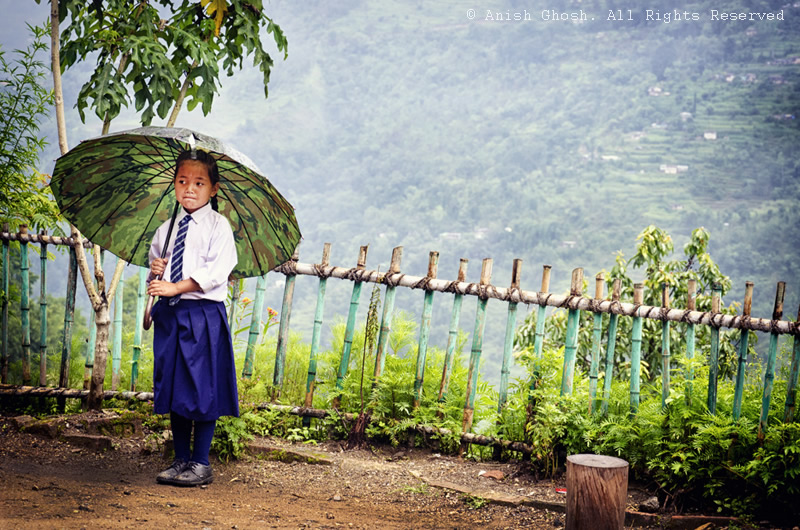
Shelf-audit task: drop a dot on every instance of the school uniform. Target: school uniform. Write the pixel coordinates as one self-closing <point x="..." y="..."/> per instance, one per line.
<point x="194" y="374"/>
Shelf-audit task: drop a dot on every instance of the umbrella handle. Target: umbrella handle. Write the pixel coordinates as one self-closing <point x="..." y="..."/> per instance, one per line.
<point x="148" y="321"/>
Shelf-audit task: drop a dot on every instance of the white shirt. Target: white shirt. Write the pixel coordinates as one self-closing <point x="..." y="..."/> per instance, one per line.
<point x="209" y="254"/>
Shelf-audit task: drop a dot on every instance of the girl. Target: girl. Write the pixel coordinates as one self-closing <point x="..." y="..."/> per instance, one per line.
<point x="194" y="376"/>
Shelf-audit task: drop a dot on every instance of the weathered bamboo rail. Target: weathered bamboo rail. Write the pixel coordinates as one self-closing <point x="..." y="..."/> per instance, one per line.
<point x="705" y="318"/>
<point x="483" y="291"/>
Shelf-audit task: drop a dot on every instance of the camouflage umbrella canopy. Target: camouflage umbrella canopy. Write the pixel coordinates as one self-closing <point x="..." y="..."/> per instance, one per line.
<point x="117" y="189"/>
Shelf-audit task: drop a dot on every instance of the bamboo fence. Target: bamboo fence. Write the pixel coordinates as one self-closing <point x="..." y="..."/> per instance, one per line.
<point x="483" y="291"/>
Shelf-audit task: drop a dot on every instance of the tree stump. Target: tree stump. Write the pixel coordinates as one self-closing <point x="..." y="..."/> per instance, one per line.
<point x="597" y="490"/>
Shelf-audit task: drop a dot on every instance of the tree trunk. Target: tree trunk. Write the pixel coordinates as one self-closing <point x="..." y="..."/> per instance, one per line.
<point x="597" y="491"/>
<point x="103" y="322"/>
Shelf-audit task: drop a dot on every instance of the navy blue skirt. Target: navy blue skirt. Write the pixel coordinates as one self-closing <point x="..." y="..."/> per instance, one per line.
<point x="194" y="373"/>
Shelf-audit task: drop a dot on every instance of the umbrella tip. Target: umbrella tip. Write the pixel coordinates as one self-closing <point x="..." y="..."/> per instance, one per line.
<point x="191" y="141"/>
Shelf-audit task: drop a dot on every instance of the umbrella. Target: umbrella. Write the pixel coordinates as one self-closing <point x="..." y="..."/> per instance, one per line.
<point x="117" y="190"/>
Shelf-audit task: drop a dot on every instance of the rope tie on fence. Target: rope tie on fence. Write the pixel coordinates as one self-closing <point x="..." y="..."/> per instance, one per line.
<point x="288" y="268"/>
<point x="451" y="287"/>
<point x="422" y="283"/>
<point x="594" y="305"/>
<point x="509" y="297"/>
<point x="662" y="316"/>
<point x="546" y="298"/>
<point x="745" y="320"/>
<point x="717" y="316"/>
<point x="650" y="310"/>
<point x="615" y="307"/>
<point x="393" y="279"/>
<point x="321" y="271"/>
<point x="773" y="326"/>
<point x="357" y="275"/>
<point x="485" y="291"/>
<point x="685" y="315"/>
<point x="568" y="301"/>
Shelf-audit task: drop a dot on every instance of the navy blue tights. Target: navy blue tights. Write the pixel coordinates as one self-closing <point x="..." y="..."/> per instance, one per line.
<point x="182" y="438"/>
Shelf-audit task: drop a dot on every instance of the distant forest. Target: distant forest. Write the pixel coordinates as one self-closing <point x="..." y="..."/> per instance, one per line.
<point x="555" y="142"/>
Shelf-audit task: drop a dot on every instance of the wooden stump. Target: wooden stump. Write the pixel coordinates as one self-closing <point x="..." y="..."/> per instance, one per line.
<point x="597" y="490"/>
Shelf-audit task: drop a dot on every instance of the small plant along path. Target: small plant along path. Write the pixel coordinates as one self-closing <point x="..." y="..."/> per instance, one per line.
<point x="49" y="482"/>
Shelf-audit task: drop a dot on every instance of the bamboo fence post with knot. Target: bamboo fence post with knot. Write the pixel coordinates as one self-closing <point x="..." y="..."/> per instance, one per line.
<point x="636" y="349"/>
<point x="387" y="315"/>
<point x="769" y="371"/>
<point x="316" y="334"/>
<point x="283" y="328"/>
<point x="424" y="329"/>
<point x="477" y="347"/>
<point x="690" y="336"/>
<point x="744" y="344"/>
<point x="573" y="327"/>
<point x="611" y="345"/>
<point x="597" y="333"/>
<point x="350" y="328"/>
<point x="452" y="334"/>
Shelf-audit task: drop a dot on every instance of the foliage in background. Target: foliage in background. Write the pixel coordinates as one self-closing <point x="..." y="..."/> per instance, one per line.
<point x="693" y="458"/>
<point x="25" y="198"/>
<point x="653" y="254"/>
<point x="157" y="58"/>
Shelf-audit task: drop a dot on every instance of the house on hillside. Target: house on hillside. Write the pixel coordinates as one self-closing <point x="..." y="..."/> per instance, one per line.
<point x="673" y="169"/>
<point x="710" y="135"/>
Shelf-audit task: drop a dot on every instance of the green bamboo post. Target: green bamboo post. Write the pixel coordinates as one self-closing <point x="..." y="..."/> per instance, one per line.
<point x="508" y="344"/>
<point x="283" y="332"/>
<point x="386" y="317"/>
<point x="89" y="366"/>
<point x="538" y="339"/>
<point x="713" y="361"/>
<point x="477" y="348"/>
<point x="4" y="338"/>
<point x="794" y="373"/>
<point x="452" y="336"/>
<point x="255" y="326"/>
<point x="769" y="372"/>
<point x="425" y="329"/>
<point x="350" y="329"/>
<point x="611" y="346"/>
<point x="636" y="349"/>
<point x="317" y="333"/>
<point x="690" y="336"/>
<point x="597" y="336"/>
<point x="744" y="343"/>
<point x="665" y="350"/>
<point x="116" y="346"/>
<point x="43" y="314"/>
<point x="25" y="309"/>
<point x="235" y="295"/>
<point x="141" y="295"/>
<point x="573" y="326"/>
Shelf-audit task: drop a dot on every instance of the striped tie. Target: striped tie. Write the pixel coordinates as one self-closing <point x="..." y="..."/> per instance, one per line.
<point x="176" y="270"/>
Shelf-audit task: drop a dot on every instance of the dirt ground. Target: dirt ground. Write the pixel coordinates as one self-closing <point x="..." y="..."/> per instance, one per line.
<point x="60" y="476"/>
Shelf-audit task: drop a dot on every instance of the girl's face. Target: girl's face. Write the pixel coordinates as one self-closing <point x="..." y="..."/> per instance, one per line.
<point x="193" y="187"/>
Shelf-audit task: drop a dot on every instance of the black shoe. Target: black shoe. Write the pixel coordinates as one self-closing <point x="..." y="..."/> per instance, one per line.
<point x="194" y="474"/>
<point x="168" y="475"/>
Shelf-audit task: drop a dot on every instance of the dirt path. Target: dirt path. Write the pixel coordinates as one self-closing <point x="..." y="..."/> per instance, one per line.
<point x="50" y="483"/>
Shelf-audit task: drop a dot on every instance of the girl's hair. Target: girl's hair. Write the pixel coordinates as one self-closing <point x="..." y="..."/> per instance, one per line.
<point x="208" y="161"/>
